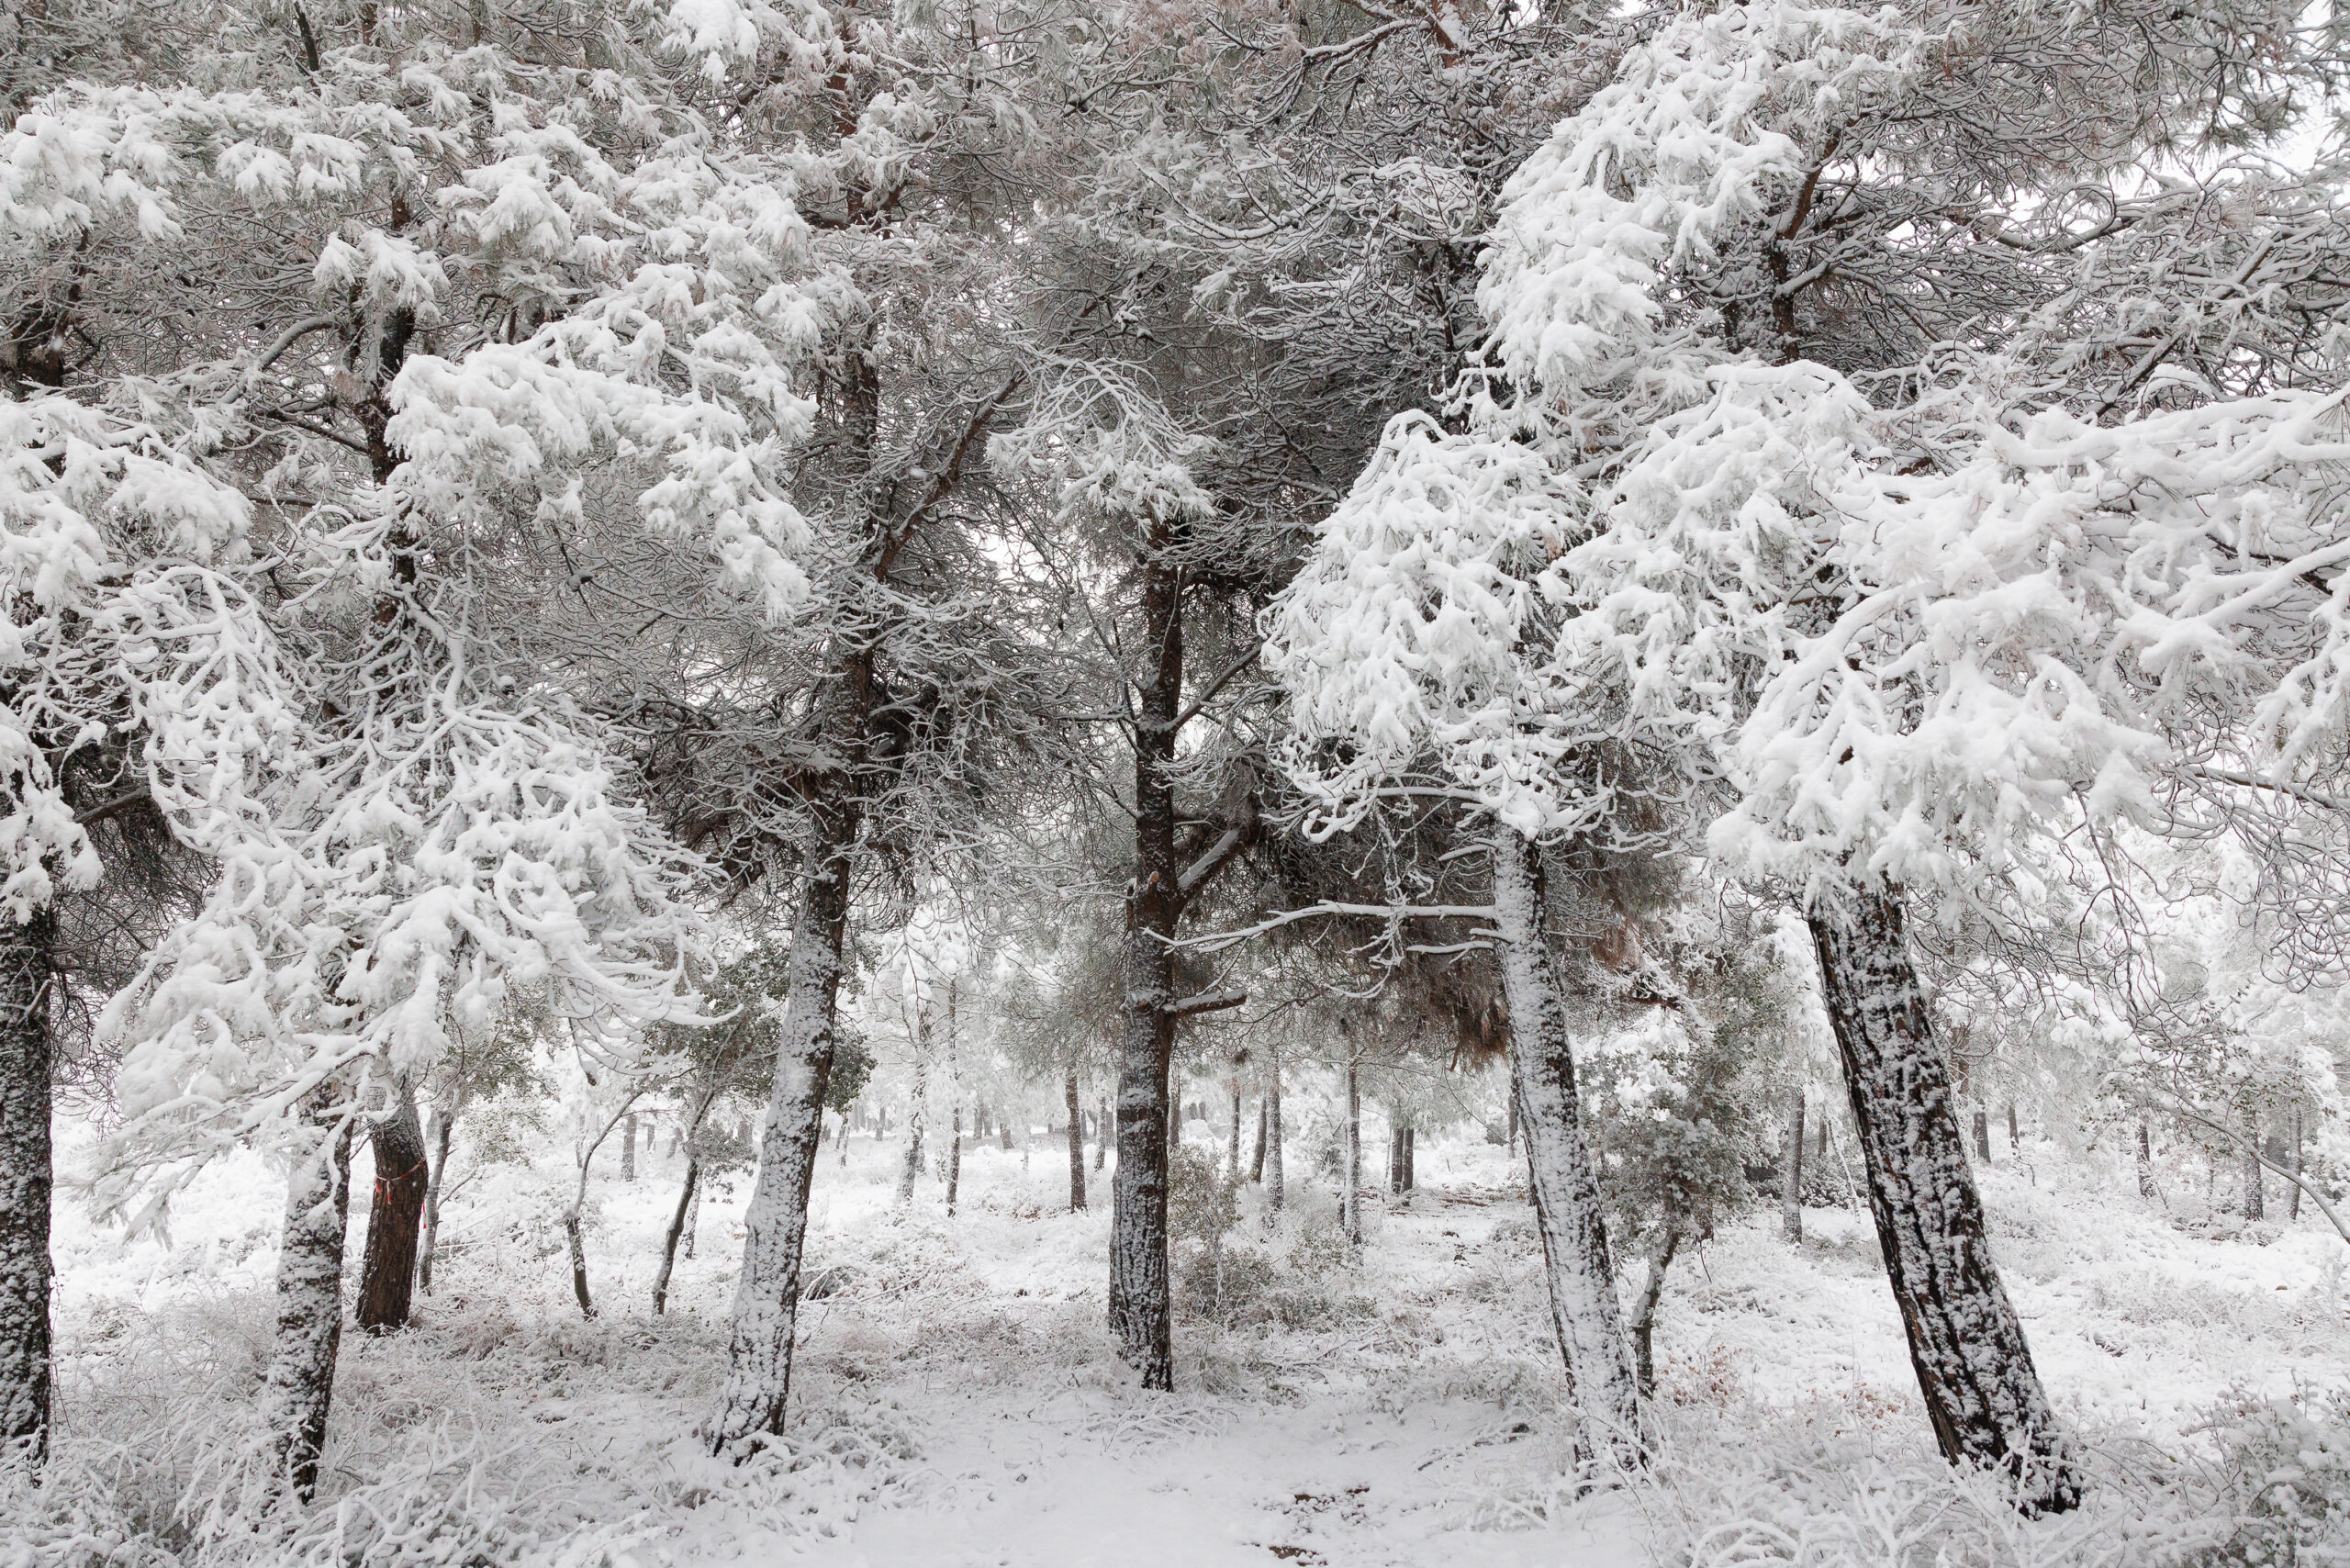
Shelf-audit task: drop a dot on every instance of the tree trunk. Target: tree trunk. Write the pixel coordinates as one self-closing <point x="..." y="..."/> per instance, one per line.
<point x="444" y="1122"/>
<point x="1974" y="1368"/>
<point x="1075" y="1143"/>
<point x="954" y="1161"/>
<point x="693" y="1221"/>
<point x="578" y="1262"/>
<point x="2256" y="1203"/>
<point x="1791" y="1175"/>
<point x="1232" y="1161"/>
<point x="2145" y="1162"/>
<point x="28" y="953"/>
<point x="766" y="1295"/>
<point x="1141" y="1313"/>
<point x="915" y="1116"/>
<point x="1583" y="1308"/>
<point x="1276" y="1175"/>
<point x="1411" y="1171"/>
<point x="1351" y="1196"/>
<point x="1104" y="1134"/>
<point x="1257" y="1160"/>
<point x="1644" y="1313"/>
<point x="627" y="1148"/>
<point x="1510" y="1148"/>
<point x="395" y="1219"/>
<point x="2293" y="1197"/>
<point x="1983" y="1136"/>
<point x="677" y="1230"/>
<point x="2015" y="1138"/>
<point x="298" y="1388"/>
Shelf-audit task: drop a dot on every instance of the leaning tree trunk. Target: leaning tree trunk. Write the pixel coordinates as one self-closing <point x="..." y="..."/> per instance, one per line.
<point x="298" y="1388"/>
<point x="1583" y="1308"/>
<point x="395" y="1220"/>
<point x="677" y="1230"/>
<point x="444" y="1121"/>
<point x="1141" y="1313"/>
<point x="1075" y="1143"/>
<point x="1982" y="1393"/>
<point x="766" y="1295"/>
<point x="26" y="963"/>
<point x="1791" y="1178"/>
<point x="1276" y="1172"/>
<point x="1644" y="1313"/>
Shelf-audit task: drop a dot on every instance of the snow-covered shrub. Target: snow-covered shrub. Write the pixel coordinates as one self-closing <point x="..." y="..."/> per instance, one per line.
<point x="2285" y="1477"/>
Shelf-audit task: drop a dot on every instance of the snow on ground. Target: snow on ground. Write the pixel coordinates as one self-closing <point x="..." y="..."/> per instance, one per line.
<point x="957" y="1403"/>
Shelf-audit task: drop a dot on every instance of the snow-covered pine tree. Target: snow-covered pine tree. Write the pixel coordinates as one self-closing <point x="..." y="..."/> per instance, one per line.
<point x="1870" y="476"/>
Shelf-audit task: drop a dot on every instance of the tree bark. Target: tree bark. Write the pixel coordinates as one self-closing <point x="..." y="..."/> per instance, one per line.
<point x="1983" y="1136"/>
<point x="1644" y="1313"/>
<point x="914" y="1110"/>
<point x="677" y="1230"/>
<point x="1257" y="1160"/>
<point x="1982" y="1393"/>
<point x="1276" y="1175"/>
<point x="444" y="1122"/>
<point x="752" y="1401"/>
<point x="2145" y="1162"/>
<point x="2256" y="1202"/>
<point x="2293" y="1197"/>
<point x="1411" y="1169"/>
<point x="954" y="1162"/>
<point x="578" y="1262"/>
<point x="1583" y="1308"/>
<point x="1351" y="1198"/>
<point x="2015" y="1138"/>
<point x="395" y="1219"/>
<point x="298" y="1388"/>
<point x="1791" y="1175"/>
<point x="1075" y="1143"/>
<point x="1141" y="1313"/>
<point x="1232" y="1161"/>
<point x="27" y="962"/>
<point x="627" y="1148"/>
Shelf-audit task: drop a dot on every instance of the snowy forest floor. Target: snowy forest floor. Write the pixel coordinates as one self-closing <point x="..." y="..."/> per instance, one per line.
<point x="957" y="1403"/>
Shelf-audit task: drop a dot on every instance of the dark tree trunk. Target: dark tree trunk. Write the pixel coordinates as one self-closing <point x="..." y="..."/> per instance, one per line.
<point x="1974" y="1368"/>
<point x="1394" y="1161"/>
<point x="1511" y="1147"/>
<point x="1141" y="1314"/>
<point x="444" y="1122"/>
<point x="1075" y="1143"/>
<point x="2145" y="1162"/>
<point x="2015" y="1138"/>
<point x="677" y="1230"/>
<point x="1351" y="1199"/>
<point x="395" y="1220"/>
<point x="1644" y="1313"/>
<point x="299" y="1387"/>
<point x="1232" y="1159"/>
<point x="1104" y="1134"/>
<point x="1257" y="1160"/>
<point x="1983" y="1136"/>
<point x="1276" y="1173"/>
<point x="1791" y="1176"/>
<point x="28" y="959"/>
<point x="578" y="1262"/>
<point x="1411" y="1174"/>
